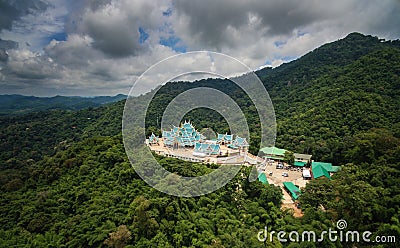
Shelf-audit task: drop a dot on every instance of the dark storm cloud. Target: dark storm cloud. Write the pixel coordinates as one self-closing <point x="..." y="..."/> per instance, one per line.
<point x="212" y="23"/>
<point x="8" y="44"/>
<point x="3" y="55"/>
<point x="114" y="36"/>
<point x="7" y="15"/>
<point x="4" y="46"/>
<point x="279" y="16"/>
<point x="96" y="4"/>
<point x="12" y="10"/>
<point x="114" y="25"/>
<point x="211" y="20"/>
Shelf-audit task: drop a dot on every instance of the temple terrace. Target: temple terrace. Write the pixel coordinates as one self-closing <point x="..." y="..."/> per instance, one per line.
<point x="283" y="168"/>
<point x="187" y="143"/>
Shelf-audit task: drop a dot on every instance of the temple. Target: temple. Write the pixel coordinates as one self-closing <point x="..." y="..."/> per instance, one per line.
<point x="153" y="140"/>
<point x="280" y="167"/>
<point x="225" y="138"/>
<point x="239" y="143"/>
<point x="204" y="149"/>
<point x="183" y="136"/>
<point x="186" y="142"/>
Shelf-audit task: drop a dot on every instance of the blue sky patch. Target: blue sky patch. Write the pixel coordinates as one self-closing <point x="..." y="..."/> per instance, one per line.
<point x="143" y="35"/>
<point x="173" y="42"/>
<point x="279" y="43"/>
<point x="289" y="58"/>
<point x="301" y="33"/>
<point x="62" y="36"/>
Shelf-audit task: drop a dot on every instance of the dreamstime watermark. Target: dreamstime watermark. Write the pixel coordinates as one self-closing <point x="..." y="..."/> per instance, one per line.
<point x="189" y="67"/>
<point x="333" y="235"/>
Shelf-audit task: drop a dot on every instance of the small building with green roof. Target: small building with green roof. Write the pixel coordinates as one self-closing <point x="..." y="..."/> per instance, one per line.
<point x="335" y="168"/>
<point x="272" y="152"/>
<point x="263" y="178"/>
<point x="303" y="158"/>
<point x="293" y="190"/>
<point x="299" y="164"/>
<point x="320" y="169"/>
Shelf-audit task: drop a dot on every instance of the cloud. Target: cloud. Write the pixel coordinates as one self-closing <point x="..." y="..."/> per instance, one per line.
<point x="74" y="53"/>
<point x="102" y="46"/>
<point x="112" y="32"/>
<point x="115" y="26"/>
<point x="249" y="29"/>
<point x="35" y="22"/>
<point x="213" y="22"/>
<point x="4" y="46"/>
<point x="11" y="11"/>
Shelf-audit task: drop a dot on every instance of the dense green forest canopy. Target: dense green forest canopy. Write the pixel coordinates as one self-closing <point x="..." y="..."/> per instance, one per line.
<point x="66" y="181"/>
<point x="18" y="104"/>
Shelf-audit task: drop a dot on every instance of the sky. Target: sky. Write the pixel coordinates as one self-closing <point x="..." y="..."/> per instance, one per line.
<point x="101" y="47"/>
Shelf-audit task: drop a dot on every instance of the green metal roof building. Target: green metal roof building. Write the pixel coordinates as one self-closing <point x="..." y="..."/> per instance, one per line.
<point x="320" y="169"/>
<point x="299" y="163"/>
<point x="263" y="178"/>
<point x="294" y="191"/>
<point x="303" y="158"/>
<point x="335" y="168"/>
<point x="273" y="152"/>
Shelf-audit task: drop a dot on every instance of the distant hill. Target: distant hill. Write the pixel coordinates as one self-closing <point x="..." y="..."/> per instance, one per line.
<point x="324" y="59"/>
<point x="66" y="181"/>
<point x="19" y="104"/>
<point x="321" y="101"/>
<point x="334" y="92"/>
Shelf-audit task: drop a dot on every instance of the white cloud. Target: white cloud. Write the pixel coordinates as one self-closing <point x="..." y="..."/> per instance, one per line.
<point x="103" y="52"/>
<point x="32" y="30"/>
<point x="248" y="30"/>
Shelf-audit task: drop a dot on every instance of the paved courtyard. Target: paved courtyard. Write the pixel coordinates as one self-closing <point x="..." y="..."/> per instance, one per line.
<point x="294" y="175"/>
<point x="274" y="175"/>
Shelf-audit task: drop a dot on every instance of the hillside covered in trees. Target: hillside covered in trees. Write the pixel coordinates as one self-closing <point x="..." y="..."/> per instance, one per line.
<point x="66" y="181"/>
<point x="18" y="104"/>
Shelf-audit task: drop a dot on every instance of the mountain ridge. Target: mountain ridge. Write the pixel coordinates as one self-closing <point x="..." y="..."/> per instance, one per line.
<point x="20" y="104"/>
<point x="66" y="181"/>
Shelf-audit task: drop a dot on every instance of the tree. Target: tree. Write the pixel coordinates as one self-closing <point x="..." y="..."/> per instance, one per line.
<point x="119" y="238"/>
<point x="288" y="157"/>
<point x="143" y="222"/>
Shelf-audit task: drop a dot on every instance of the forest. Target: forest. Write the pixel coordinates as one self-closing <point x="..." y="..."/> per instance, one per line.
<point x="19" y="104"/>
<point x="67" y="182"/>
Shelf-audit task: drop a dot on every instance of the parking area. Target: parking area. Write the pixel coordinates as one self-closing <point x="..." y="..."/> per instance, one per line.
<point x="278" y="174"/>
<point x="291" y="174"/>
